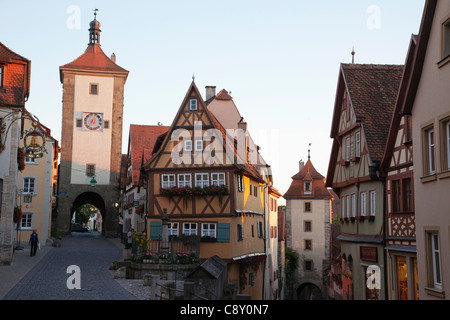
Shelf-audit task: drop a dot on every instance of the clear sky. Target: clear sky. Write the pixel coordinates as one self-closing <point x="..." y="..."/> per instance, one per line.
<point x="280" y="59"/>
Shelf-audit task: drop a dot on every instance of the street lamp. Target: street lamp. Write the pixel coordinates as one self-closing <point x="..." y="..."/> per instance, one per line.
<point x="93" y="182"/>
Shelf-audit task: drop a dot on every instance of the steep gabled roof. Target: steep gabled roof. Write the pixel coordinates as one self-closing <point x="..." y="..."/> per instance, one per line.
<point x="419" y="55"/>
<point x="7" y="55"/>
<point x="373" y="92"/>
<point x="16" y="85"/>
<point x="397" y="114"/>
<point x="141" y="141"/>
<point x="246" y="168"/>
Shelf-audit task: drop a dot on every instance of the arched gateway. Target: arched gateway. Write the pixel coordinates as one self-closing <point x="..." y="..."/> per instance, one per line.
<point x="91" y="137"/>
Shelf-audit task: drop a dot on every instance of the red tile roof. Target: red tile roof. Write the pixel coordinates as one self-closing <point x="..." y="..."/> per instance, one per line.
<point x="373" y="91"/>
<point x="307" y="173"/>
<point x="141" y="142"/>
<point x="16" y="78"/>
<point x="7" y="55"/>
<point x="94" y="59"/>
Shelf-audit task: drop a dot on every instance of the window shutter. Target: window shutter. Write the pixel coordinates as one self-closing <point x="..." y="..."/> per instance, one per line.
<point x="223" y="232"/>
<point x="155" y="230"/>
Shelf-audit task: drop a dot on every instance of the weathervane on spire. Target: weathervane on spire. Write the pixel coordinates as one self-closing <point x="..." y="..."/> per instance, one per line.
<point x="95" y="13"/>
<point x="353" y="55"/>
<point x="309" y="152"/>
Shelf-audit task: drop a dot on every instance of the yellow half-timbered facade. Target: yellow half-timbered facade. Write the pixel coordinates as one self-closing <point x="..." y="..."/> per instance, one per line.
<point x="200" y="177"/>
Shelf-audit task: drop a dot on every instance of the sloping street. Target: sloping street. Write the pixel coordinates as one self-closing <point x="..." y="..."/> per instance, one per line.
<point x="49" y="278"/>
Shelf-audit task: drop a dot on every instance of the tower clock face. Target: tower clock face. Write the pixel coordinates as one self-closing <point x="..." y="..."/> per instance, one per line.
<point x="93" y="121"/>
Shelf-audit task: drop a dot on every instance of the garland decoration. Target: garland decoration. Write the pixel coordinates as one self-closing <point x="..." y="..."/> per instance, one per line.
<point x="188" y="192"/>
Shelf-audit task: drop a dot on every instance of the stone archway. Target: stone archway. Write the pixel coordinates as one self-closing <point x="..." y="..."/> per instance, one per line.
<point x="309" y="291"/>
<point x="91" y="198"/>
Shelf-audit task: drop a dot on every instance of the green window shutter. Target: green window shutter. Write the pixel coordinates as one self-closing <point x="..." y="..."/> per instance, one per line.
<point x="155" y="230"/>
<point x="223" y="232"/>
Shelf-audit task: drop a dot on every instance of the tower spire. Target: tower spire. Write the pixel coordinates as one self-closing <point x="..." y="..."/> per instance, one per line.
<point x="94" y="30"/>
<point x="353" y="55"/>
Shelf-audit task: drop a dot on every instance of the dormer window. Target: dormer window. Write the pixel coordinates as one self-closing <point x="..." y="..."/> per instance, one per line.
<point x="193" y="104"/>
<point x="308" y="187"/>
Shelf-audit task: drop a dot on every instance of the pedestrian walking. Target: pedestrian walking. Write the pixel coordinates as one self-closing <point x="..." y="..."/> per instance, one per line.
<point x="34" y="242"/>
<point x="130" y="238"/>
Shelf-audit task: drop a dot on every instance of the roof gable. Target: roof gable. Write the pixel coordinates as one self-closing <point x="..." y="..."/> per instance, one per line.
<point x="373" y="93"/>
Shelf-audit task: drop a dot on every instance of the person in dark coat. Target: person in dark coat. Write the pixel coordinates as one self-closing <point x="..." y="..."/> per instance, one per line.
<point x="34" y="241"/>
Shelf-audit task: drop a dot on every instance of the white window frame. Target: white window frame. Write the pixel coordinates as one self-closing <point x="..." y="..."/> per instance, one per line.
<point x="347" y="209"/>
<point x="189" y="228"/>
<point x="240" y="183"/>
<point x="173" y="229"/>
<point x="208" y="231"/>
<point x="430" y="150"/>
<point x="358" y="144"/>
<point x="27" y="220"/>
<point x="193" y="104"/>
<point x="201" y="182"/>
<point x="447" y="141"/>
<point x="362" y="197"/>
<point x="187" y="145"/>
<point x="170" y="181"/>
<point x="343" y="207"/>
<point x="27" y="186"/>
<point x="373" y="199"/>
<point x="353" y="205"/>
<point x="216" y="180"/>
<point x="184" y="179"/>
<point x="436" y="260"/>
<point x="29" y="160"/>
<point x="199" y="145"/>
<point x="347" y="149"/>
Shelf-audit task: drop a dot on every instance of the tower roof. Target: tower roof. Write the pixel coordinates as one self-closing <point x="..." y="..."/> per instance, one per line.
<point x="93" y="59"/>
<point x="307" y="173"/>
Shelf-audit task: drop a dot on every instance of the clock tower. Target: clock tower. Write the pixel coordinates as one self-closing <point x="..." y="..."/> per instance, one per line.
<point x="91" y="137"/>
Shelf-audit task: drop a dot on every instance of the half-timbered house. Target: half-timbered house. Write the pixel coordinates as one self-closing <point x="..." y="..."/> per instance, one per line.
<point x="397" y="168"/>
<point x="201" y="179"/>
<point x="364" y="103"/>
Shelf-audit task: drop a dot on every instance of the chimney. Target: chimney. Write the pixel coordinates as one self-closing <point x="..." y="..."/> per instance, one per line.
<point x="301" y="164"/>
<point x="210" y="92"/>
<point x="113" y="58"/>
<point x="243" y="126"/>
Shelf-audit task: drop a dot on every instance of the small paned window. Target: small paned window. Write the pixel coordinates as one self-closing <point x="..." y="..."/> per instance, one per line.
<point x="90" y="170"/>
<point x="201" y="180"/>
<point x="193" y="104"/>
<point x="93" y="89"/>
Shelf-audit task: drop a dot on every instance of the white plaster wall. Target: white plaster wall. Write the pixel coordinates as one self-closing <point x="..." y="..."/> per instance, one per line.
<point x="317" y="235"/>
<point x="92" y="147"/>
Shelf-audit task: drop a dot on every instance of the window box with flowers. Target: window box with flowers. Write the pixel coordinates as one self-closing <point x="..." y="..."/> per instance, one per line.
<point x="17" y="215"/>
<point x="188" y="192"/>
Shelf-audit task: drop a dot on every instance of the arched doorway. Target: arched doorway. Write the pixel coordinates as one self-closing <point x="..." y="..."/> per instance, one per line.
<point x="92" y="199"/>
<point x="309" y="291"/>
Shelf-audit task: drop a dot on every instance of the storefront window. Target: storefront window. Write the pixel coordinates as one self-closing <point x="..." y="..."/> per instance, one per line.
<point x="402" y="278"/>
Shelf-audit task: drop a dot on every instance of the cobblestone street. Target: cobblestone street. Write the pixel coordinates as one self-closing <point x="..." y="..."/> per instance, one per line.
<point x="93" y="254"/>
